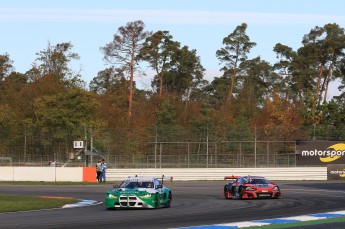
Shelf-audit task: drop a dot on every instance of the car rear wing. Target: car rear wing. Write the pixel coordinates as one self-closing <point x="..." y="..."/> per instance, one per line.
<point x="232" y="177"/>
<point x="162" y="178"/>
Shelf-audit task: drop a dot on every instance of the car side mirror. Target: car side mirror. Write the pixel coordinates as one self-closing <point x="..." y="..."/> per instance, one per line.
<point x="159" y="186"/>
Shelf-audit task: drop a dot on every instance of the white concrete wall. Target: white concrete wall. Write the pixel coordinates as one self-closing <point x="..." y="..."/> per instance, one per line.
<point x="6" y="173"/>
<point x="41" y="174"/>
<point x="289" y="173"/>
<point x="34" y="174"/>
<point x="76" y="173"/>
<point x="69" y="174"/>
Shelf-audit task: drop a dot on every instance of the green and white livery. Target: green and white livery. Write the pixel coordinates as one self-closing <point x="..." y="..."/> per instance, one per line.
<point x="139" y="192"/>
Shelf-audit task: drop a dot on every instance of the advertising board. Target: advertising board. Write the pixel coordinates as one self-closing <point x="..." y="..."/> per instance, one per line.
<point x="336" y="172"/>
<point x="319" y="153"/>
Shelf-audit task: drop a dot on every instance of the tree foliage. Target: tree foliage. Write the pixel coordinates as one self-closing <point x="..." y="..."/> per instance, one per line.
<point x="5" y="66"/>
<point x="124" y="49"/>
<point x="236" y="47"/>
<point x="55" y="60"/>
<point x="46" y="108"/>
<point x="158" y="51"/>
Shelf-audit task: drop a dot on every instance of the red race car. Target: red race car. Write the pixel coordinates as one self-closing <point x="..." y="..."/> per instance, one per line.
<point x="250" y="187"/>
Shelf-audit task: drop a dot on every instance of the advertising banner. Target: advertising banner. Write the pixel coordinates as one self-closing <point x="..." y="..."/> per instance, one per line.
<point x="336" y="172"/>
<point x="320" y="153"/>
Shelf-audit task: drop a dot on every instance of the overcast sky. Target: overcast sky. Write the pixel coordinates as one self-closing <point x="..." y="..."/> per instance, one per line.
<point x="28" y="25"/>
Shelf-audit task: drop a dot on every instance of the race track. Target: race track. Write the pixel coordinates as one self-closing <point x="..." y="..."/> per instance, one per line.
<point x="194" y="203"/>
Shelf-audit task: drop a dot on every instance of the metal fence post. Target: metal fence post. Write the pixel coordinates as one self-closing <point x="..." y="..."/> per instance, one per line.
<point x="160" y="155"/>
<point x="188" y="154"/>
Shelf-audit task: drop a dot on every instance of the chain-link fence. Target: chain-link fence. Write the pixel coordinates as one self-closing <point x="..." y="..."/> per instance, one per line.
<point x="165" y="147"/>
<point x="210" y="155"/>
<point x="178" y="155"/>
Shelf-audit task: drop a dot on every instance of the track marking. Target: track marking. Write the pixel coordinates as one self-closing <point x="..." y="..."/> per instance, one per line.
<point x="313" y="190"/>
<point x="267" y="222"/>
<point x="81" y="203"/>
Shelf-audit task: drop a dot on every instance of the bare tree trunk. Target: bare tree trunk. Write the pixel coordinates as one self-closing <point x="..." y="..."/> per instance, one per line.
<point x="327" y="82"/>
<point x="318" y="86"/>
<point x="160" y="76"/>
<point x="131" y="85"/>
<point x="300" y="95"/>
<point x="232" y="83"/>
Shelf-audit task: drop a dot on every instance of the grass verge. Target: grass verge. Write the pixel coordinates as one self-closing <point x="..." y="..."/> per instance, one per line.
<point x="304" y="223"/>
<point x="14" y="203"/>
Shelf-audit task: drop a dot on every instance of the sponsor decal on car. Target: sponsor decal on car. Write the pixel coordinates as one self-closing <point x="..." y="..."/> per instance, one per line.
<point x="139" y="192"/>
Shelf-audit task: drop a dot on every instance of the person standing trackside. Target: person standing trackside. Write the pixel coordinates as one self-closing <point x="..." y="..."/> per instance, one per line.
<point x="99" y="170"/>
<point x="104" y="171"/>
<point x="52" y="163"/>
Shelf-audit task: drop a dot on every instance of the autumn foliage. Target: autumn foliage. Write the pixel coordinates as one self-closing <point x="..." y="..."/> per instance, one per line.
<point x="46" y="108"/>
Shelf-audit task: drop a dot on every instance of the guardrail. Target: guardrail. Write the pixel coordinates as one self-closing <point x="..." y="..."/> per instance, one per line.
<point x="89" y="173"/>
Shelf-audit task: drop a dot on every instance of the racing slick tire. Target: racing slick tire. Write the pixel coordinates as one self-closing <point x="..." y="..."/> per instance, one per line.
<point x="167" y="204"/>
<point x="240" y="192"/>
<point x="227" y="193"/>
<point x="156" y="200"/>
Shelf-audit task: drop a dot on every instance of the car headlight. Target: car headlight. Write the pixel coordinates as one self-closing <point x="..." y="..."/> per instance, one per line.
<point x="250" y="188"/>
<point x="146" y="195"/>
<point x="112" y="196"/>
<point x="276" y="188"/>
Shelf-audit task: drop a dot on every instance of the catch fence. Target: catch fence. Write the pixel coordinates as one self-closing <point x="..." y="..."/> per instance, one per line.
<point x="226" y="154"/>
<point x="163" y="147"/>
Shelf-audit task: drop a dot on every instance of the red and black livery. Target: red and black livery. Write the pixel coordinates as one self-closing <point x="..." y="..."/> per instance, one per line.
<point x="250" y="187"/>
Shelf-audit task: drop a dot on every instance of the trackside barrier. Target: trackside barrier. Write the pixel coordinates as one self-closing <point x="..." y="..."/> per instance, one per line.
<point x="73" y="174"/>
<point x="289" y="173"/>
<point x="88" y="174"/>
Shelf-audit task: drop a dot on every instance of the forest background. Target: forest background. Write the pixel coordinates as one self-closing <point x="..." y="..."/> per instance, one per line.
<point x="46" y="108"/>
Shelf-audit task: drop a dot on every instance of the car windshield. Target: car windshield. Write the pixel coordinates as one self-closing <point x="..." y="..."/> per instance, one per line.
<point x="258" y="181"/>
<point x="136" y="184"/>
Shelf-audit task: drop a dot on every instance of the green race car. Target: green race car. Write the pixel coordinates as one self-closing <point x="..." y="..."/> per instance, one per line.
<point x="139" y="192"/>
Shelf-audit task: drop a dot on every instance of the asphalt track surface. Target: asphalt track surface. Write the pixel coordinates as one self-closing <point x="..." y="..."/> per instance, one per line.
<point x="194" y="203"/>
